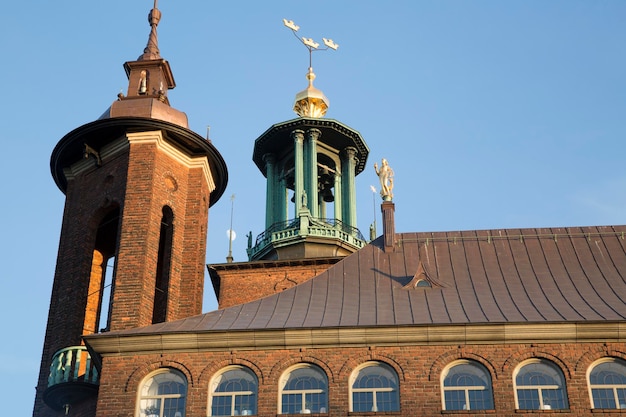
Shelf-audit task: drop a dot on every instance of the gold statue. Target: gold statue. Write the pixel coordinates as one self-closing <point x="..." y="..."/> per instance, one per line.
<point x="385" y="175"/>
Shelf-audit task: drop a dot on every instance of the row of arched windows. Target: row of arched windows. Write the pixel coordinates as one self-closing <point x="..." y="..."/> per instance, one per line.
<point x="374" y="386"/>
<point x="539" y="385"/>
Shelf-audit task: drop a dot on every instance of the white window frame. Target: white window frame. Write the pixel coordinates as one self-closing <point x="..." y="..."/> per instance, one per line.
<point x="613" y="387"/>
<point x="285" y="378"/>
<point x="162" y="397"/>
<point x="540" y="388"/>
<point x="465" y="388"/>
<point x="374" y="391"/>
<point x="216" y="380"/>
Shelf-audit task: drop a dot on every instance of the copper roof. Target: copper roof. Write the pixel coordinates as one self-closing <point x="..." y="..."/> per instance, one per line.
<point x="555" y="275"/>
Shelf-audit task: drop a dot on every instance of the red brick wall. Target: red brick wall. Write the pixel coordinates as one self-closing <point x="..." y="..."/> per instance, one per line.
<point x="419" y="369"/>
<point x="140" y="181"/>
<point x="156" y="179"/>
<point x="256" y="280"/>
<point x="88" y="198"/>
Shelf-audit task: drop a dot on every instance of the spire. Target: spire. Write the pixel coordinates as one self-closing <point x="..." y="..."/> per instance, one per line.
<point x="152" y="48"/>
<point x="149" y="79"/>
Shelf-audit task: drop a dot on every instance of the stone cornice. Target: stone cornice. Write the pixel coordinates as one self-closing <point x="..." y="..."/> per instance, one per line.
<point x="334" y="134"/>
<point x="100" y="134"/>
<point x="156" y="137"/>
<point x="510" y="333"/>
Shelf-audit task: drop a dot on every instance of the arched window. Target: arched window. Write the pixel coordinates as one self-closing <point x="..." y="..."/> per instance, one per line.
<point x="607" y="382"/>
<point x="540" y="385"/>
<point x="233" y="392"/>
<point x="303" y="387"/>
<point x="102" y="274"/>
<point x="466" y="385"/>
<point x="374" y="387"/>
<point x="162" y="394"/>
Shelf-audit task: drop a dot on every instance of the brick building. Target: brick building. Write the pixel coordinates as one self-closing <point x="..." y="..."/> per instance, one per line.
<point x="488" y="322"/>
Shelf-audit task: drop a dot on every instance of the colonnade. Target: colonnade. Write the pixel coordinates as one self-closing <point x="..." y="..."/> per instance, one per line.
<point x="306" y="181"/>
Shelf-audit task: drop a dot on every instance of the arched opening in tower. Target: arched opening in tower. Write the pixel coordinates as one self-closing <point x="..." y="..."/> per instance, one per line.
<point x="164" y="262"/>
<point x="102" y="276"/>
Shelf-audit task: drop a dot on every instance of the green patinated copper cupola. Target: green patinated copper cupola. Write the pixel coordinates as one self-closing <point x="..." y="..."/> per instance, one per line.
<point x="310" y="164"/>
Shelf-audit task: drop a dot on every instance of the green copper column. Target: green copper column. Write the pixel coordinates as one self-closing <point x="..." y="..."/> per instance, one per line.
<point x="270" y="190"/>
<point x="348" y="165"/>
<point x="338" y="195"/>
<point x="311" y="186"/>
<point x="281" y="201"/>
<point x="298" y="139"/>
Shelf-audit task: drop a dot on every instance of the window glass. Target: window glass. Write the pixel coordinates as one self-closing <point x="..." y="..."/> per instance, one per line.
<point x="163" y="394"/>
<point x="304" y="390"/>
<point x="467" y="386"/>
<point x="540" y="385"/>
<point x="607" y="382"/>
<point x="374" y="387"/>
<point x="233" y="393"/>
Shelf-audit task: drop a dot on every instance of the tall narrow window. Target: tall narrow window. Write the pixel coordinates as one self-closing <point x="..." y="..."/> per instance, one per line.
<point x="107" y="292"/>
<point x="164" y="263"/>
<point x="540" y="385"/>
<point x="303" y="389"/>
<point x="102" y="275"/>
<point x="374" y="387"/>
<point x="162" y="394"/>
<point x="233" y="392"/>
<point x="466" y="385"/>
<point x="607" y="382"/>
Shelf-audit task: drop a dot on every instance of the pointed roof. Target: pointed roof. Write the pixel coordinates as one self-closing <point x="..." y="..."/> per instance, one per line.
<point x="152" y="48"/>
<point x="149" y="79"/>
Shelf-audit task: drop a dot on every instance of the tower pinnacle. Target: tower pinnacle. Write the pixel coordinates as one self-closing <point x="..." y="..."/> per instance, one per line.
<point x="149" y="79"/>
<point x="151" y="50"/>
<point x="311" y="102"/>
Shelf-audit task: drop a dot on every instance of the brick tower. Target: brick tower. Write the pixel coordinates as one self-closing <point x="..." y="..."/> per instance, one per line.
<point x="138" y="186"/>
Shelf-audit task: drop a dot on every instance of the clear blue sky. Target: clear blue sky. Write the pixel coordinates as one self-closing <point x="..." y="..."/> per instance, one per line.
<point x="493" y="114"/>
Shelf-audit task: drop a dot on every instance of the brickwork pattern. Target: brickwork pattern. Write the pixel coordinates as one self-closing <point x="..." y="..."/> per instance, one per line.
<point x="88" y="198"/>
<point x="419" y="369"/>
<point x="155" y="180"/>
<point x="140" y="182"/>
<point x="238" y="286"/>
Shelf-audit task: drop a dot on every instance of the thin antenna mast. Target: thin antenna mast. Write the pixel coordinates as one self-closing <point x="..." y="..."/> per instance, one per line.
<point x="231" y="234"/>
<point x="373" y="227"/>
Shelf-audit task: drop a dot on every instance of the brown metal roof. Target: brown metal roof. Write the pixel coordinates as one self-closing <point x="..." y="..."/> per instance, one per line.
<point x="559" y="275"/>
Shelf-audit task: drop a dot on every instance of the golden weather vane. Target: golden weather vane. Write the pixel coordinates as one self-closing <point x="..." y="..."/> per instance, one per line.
<point x="311" y="102"/>
<point x="310" y="44"/>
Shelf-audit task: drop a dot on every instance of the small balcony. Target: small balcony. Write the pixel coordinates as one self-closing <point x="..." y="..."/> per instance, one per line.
<point x="73" y="378"/>
<point x="303" y="231"/>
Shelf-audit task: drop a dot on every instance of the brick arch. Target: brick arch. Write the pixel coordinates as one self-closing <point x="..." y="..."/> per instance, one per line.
<point x="591" y="356"/>
<point x="445" y="359"/>
<point x="352" y="363"/>
<point x="111" y="197"/>
<point x="98" y="215"/>
<point x="107" y="206"/>
<point x="532" y="353"/>
<point x="280" y="367"/>
<point x="207" y="373"/>
<point x="142" y="371"/>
